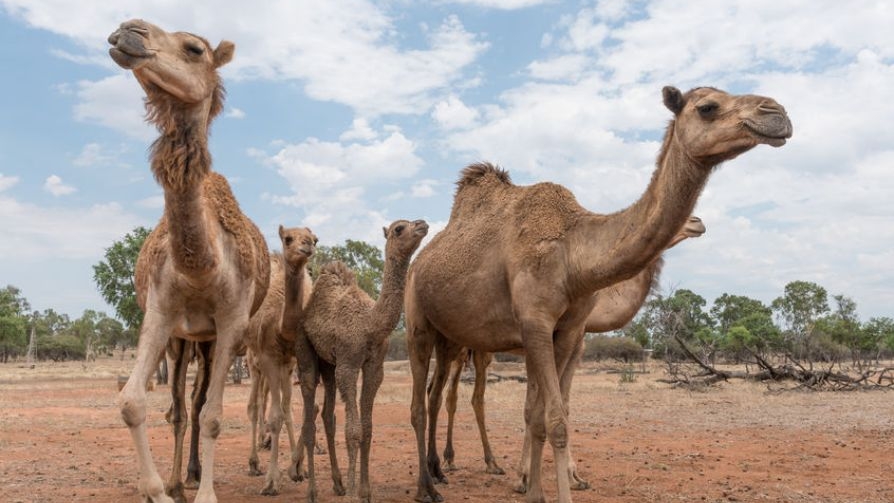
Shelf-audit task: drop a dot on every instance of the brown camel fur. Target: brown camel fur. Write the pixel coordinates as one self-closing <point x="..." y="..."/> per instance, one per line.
<point x="345" y="331"/>
<point x="534" y="257"/>
<point x="615" y="307"/>
<point x="204" y="269"/>
<point x="274" y="354"/>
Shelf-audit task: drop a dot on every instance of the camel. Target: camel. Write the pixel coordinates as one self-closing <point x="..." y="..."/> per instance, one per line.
<point x="273" y="354"/>
<point x="204" y="269"/>
<point x="516" y="267"/>
<point x="344" y="331"/>
<point x="615" y="307"/>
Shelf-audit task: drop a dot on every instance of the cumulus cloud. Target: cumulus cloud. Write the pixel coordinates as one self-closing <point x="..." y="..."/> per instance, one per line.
<point x="55" y="186"/>
<point x="329" y="181"/>
<point x="344" y="51"/>
<point x="234" y="113"/>
<point x="32" y="232"/>
<point x="501" y="4"/>
<point x="7" y="181"/>
<point x="115" y="102"/>
<point x="452" y="113"/>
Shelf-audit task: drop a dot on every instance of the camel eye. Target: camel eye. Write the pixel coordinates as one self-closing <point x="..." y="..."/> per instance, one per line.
<point x="707" y="109"/>
<point x="398" y="230"/>
<point x="288" y="240"/>
<point x="195" y="50"/>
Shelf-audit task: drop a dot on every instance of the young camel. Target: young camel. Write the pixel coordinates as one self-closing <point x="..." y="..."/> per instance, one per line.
<point x="204" y="269"/>
<point x="615" y="307"/>
<point x="273" y="353"/>
<point x="345" y="331"/>
<point x="535" y="258"/>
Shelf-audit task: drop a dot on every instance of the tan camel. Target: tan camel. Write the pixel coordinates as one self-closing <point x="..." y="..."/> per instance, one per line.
<point x="345" y="331"/>
<point x="204" y="269"/>
<point x="274" y="354"/>
<point x="615" y="307"/>
<point x="516" y="267"/>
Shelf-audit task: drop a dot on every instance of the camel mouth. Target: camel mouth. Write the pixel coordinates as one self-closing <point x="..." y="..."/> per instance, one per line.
<point x="421" y="230"/>
<point x="126" y="60"/>
<point x="774" y="134"/>
<point x="128" y="47"/>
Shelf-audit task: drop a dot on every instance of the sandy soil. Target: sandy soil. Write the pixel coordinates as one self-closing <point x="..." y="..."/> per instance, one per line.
<point x="61" y="439"/>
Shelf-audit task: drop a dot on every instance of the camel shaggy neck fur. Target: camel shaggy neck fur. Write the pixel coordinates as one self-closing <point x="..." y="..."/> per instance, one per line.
<point x="343" y="333"/>
<point x="204" y="270"/>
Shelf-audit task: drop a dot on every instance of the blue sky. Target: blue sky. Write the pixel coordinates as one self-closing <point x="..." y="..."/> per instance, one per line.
<point x="344" y="115"/>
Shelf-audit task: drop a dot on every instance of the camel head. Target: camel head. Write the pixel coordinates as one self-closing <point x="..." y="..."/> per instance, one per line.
<point x="298" y="244"/>
<point x="176" y="67"/>
<point x="403" y="238"/>
<point x="693" y="228"/>
<point x="713" y="126"/>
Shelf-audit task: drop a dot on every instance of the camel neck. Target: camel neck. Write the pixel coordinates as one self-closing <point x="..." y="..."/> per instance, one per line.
<point x="180" y="161"/>
<point x="293" y="299"/>
<point x="616" y="247"/>
<point x="391" y="299"/>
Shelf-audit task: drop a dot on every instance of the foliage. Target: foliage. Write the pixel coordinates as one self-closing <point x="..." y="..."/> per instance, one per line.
<point x="13" y="337"/>
<point x="604" y="347"/>
<point x="363" y="258"/>
<point x="59" y="348"/>
<point x="397" y="346"/>
<point x="12" y="302"/>
<point x="680" y="314"/>
<point x="114" y="277"/>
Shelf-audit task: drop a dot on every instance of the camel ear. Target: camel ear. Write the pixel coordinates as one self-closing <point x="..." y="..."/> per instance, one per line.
<point x="224" y="53"/>
<point x="385" y="232"/>
<point x="281" y="231"/>
<point x="673" y="99"/>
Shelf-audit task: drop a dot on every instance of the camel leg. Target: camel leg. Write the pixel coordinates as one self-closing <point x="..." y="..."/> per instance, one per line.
<point x="373" y="375"/>
<point x="200" y="395"/>
<point x="548" y="418"/>
<point x="445" y="353"/>
<point x="297" y="460"/>
<point x="482" y="360"/>
<point x="420" y="343"/>
<point x="253" y="402"/>
<point x="263" y="396"/>
<point x="132" y="402"/>
<point x="327" y="373"/>
<point x="308" y="368"/>
<point x="524" y="464"/>
<point x="273" y="373"/>
<point x="230" y="331"/>
<point x="181" y="353"/>
<point x="456" y="370"/>
<point x="346" y="381"/>
<point x="577" y="483"/>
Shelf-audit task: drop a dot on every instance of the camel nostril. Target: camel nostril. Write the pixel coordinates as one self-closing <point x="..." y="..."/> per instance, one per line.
<point x="113" y="38"/>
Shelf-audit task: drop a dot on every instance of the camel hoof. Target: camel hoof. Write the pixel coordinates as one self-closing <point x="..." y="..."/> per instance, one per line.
<point x="521" y="487"/>
<point x="175" y="492"/>
<point x="495" y="470"/>
<point x="580" y="485"/>
<point x="270" y="490"/>
<point x="296" y="475"/>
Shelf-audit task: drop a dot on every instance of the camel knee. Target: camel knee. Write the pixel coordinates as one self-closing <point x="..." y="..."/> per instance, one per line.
<point x="133" y="410"/>
<point x="210" y="426"/>
<point x="558" y="436"/>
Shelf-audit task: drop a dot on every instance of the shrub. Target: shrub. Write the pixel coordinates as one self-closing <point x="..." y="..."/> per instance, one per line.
<point x="603" y="347"/>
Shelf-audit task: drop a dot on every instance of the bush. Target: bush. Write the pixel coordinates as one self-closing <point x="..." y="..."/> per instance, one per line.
<point x="59" y="348"/>
<point x="397" y="346"/>
<point x="603" y="347"/>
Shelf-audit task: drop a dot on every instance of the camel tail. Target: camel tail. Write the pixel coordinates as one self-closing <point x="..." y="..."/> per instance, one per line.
<point x="339" y="271"/>
<point x="474" y="172"/>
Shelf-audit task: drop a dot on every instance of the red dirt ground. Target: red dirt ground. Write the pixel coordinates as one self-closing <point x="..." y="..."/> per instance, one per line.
<point x="61" y="439"/>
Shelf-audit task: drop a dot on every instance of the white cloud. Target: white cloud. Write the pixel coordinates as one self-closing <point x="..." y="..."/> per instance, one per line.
<point x="501" y="4"/>
<point x="452" y="113"/>
<point x="7" y="181"/>
<point x="360" y="130"/>
<point x="115" y="102"/>
<point x="55" y="186"/>
<point x="31" y="232"/>
<point x="330" y="181"/>
<point x="234" y="113"/>
<point x="345" y="51"/>
<point x="423" y="188"/>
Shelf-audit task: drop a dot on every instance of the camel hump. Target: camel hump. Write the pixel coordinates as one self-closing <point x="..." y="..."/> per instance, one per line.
<point x="474" y="172"/>
<point x="339" y="271"/>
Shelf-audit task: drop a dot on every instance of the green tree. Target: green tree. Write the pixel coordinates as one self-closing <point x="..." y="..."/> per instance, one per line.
<point x="729" y="309"/>
<point x="13" y="323"/>
<point x="801" y="304"/>
<point x="114" y="277"/>
<point x="681" y="314"/>
<point x="881" y="331"/>
<point x="363" y="258"/>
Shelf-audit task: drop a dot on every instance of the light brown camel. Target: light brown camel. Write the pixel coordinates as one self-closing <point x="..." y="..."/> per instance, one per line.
<point x="345" y="331"/>
<point x="274" y="354"/>
<point x="516" y="267"/>
<point x="204" y="269"/>
<point x="615" y="307"/>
